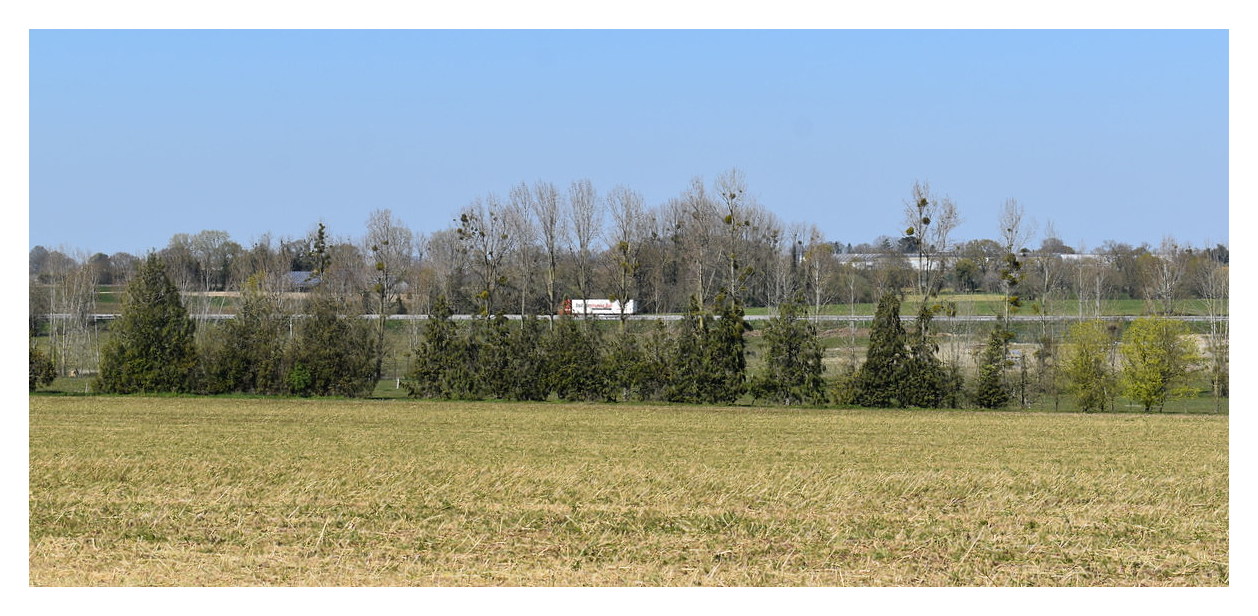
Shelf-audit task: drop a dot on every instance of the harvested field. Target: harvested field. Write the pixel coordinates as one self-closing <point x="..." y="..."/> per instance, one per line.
<point x="221" y="491"/>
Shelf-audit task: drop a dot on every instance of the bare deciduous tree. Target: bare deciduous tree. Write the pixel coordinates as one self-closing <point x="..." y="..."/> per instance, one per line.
<point x="930" y="221"/>
<point x="819" y="267"/>
<point x="1164" y="276"/>
<point x="1014" y="234"/>
<point x="765" y="255"/>
<point x="736" y="214"/>
<point x="585" y="214"/>
<point x="261" y="258"/>
<point x="783" y="277"/>
<point x="696" y="235"/>
<point x="548" y="214"/>
<point x="72" y="333"/>
<point x="213" y="251"/>
<point x="483" y="234"/>
<point x="1212" y="285"/>
<point x="1050" y="275"/>
<point x="446" y="269"/>
<point x="388" y="246"/>
<point x="521" y="226"/>
<point x="1094" y="283"/>
<point x="625" y="243"/>
<point x="181" y="263"/>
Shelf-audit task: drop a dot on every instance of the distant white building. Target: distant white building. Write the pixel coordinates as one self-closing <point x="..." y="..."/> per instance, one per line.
<point x="871" y="260"/>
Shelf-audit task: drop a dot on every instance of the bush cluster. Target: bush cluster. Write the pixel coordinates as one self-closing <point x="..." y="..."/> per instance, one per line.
<point x="261" y="351"/>
<point x="329" y="350"/>
<point x="42" y="370"/>
<point x="702" y="360"/>
<point x="902" y="369"/>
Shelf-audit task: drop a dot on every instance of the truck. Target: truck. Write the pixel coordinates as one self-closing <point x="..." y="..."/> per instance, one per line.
<point x="596" y="307"/>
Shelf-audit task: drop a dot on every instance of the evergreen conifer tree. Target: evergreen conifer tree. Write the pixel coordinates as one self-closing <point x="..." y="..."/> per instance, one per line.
<point x="927" y="383"/>
<point x="42" y="371"/>
<point x="793" y="368"/>
<point x="575" y="370"/>
<point x="879" y="382"/>
<point x="627" y="367"/>
<point x="526" y="368"/>
<point x="688" y="366"/>
<point x="151" y="348"/>
<point x="441" y="364"/>
<point x="493" y="365"/>
<point x="990" y="391"/>
<point x="726" y="357"/>
<point x="332" y="354"/>
<point x="654" y="372"/>
<point x="249" y="355"/>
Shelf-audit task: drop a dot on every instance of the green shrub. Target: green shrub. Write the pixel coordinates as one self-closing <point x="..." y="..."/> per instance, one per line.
<point x="42" y="370"/>
<point x="337" y="352"/>
<point x="248" y="356"/>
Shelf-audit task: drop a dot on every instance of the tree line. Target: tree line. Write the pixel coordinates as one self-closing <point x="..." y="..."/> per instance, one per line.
<point x="710" y="249"/>
<point x="700" y="359"/>
<point x="528" y="252"/>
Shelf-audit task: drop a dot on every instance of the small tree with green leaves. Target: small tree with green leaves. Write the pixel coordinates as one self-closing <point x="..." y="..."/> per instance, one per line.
<point x="151" y="348"/>
<point x="1087" y="370"/>
<point x="793" y="368"/>
<point x="1158" y="357"/>
<point x="43" y="371"/>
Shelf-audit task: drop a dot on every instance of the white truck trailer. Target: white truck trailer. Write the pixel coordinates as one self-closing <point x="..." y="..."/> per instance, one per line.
<point x="595" y="307"/>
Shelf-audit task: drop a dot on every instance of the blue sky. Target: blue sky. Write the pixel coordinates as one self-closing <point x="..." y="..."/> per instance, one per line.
<point x="138" y="135"/>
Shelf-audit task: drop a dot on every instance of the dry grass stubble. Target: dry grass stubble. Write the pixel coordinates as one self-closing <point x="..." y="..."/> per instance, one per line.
<point x="205" y="492"/>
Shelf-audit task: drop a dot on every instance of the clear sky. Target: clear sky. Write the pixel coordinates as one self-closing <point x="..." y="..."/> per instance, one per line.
<point x="138" y="135"/>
